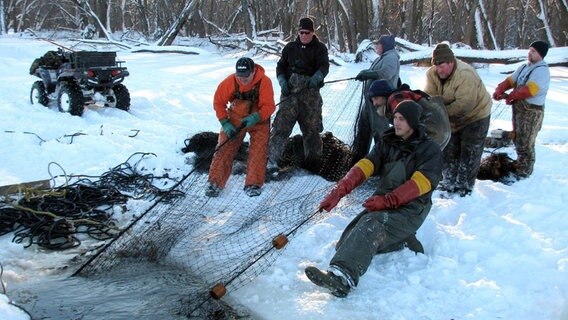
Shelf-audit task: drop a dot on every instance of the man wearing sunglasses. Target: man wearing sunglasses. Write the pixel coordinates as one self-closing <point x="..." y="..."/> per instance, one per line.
<point x="300" y="71"/>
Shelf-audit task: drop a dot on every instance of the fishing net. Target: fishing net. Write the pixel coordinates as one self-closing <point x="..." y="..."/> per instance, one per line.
<point x="214" y="245"/>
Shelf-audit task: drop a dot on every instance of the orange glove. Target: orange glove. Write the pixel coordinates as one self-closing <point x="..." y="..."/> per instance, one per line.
<point x="352" y="179"/>
<point x="501" y="88"/>
<point x="520" y="93"/>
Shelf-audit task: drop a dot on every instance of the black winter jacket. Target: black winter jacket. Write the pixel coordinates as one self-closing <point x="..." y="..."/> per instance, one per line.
<point x="303" y="59"/>
<point x="418" y="153"/>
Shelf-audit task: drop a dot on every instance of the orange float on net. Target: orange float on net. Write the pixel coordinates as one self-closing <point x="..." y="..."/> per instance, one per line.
<point x="218" y="291"/>
<point x="279" y="241"/>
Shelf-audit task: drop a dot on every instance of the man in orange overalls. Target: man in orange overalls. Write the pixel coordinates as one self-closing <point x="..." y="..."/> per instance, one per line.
<point x="243" y="103"/>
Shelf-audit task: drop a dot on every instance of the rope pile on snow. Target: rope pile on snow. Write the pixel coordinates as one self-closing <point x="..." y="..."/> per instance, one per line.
<point x="53" y="219"/>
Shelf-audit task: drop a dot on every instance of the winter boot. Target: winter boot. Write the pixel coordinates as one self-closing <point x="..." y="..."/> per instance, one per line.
<point x="337" y="285"/>
<point x="212" y="191"/>
<point x="253" y="190"/>
<point x="414" y="244"/>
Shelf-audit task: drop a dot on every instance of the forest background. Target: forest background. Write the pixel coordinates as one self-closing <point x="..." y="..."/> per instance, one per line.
<point x="342" y="24"/>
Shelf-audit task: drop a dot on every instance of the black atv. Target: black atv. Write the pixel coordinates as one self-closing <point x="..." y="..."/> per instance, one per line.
<point x="79" y="79"/>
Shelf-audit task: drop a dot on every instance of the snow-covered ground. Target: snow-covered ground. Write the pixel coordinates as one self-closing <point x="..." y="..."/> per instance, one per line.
<point x="501" y="253"/>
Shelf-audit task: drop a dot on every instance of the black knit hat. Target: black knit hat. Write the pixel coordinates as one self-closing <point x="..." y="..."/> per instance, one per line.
<point x="379" y="88"/>
<point x="307" y="24"/>
<point x="541" y="47"/>
<point x="442" y="53"/>
<point x="244" y="67"/>
<point x="411" y="111"/>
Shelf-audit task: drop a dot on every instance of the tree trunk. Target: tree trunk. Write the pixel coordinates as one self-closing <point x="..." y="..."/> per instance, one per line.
<point x="344" y="27"/>
<point x="543" y="16"/>
<point x="486" y="21"/>
<point x="431" y="23"/>
<point x="169" y="36"/>
<point x="86" y="8"/>
<point x="360" y="20"/>
<point x="2" y="19"/>
<point x="416" y="21"/>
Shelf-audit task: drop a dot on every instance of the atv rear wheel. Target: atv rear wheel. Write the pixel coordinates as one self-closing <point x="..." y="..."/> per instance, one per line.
<point x="38" y="94"/>
<point x="70" y="99"/>
<point x="119" y="97"/>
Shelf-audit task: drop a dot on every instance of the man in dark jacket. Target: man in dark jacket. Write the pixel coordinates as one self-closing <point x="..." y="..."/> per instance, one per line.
<point x="410" y="166"/>
<point x="300" y="72"/>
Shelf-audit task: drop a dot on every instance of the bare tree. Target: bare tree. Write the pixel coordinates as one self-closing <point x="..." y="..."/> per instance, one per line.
<point x="415" y="23"/>
<point x="2" y="19"/>
<point x="169" y="36"/>
<point x="487" y="21"/>
<point x="342" y="24"/>
<point x="86" y="8"/>
<point x="543" y="17"/>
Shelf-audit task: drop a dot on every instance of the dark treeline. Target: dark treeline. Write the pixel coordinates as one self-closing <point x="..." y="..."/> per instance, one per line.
<point x="481" y="24"/>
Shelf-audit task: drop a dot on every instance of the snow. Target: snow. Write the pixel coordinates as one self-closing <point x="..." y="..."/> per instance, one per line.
<point x="501" y="253"/>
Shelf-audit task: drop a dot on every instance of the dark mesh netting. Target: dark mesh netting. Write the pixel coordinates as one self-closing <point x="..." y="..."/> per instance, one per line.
<point x="206" y="245"/>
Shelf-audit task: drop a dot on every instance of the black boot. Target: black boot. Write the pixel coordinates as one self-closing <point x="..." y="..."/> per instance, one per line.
<point x="335" y="284"/>
<point x="413" y="244"/>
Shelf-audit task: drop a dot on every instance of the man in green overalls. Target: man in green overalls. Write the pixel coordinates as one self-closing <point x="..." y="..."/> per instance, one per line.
<point x="410" y="166"/>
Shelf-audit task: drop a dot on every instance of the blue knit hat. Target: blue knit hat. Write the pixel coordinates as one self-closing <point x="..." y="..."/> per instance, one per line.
<point x="379" y="88"/>
<point x="387" y="41"/>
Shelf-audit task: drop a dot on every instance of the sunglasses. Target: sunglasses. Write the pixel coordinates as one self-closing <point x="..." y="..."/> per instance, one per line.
<point x="305" y="32"/>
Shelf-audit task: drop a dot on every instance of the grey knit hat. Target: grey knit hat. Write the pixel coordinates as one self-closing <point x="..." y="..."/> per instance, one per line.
<point x="387" y="41"/>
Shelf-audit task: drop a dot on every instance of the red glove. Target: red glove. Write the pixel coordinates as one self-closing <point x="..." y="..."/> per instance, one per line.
<point x="352" y="179"/>
<point x="376" y="203"/>
<point x="403" y="194"/>
<point x="501" y="88"/>
<point x="520" y="93"/>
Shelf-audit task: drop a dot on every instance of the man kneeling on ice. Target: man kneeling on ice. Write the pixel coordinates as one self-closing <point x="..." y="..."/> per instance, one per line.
<point x="410" y="166"/>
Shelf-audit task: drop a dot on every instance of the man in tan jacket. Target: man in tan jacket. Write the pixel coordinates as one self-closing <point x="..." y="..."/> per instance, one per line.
<point x="469" y="108"/>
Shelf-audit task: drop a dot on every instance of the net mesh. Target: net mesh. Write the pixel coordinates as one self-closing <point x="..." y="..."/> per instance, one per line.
<point x="222" y="243"/>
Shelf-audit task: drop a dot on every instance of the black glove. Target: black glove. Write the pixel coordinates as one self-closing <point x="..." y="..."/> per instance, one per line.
<point x="314" y="81"/>
<point x="367" y="75"/>
<point x="284" y="89"/>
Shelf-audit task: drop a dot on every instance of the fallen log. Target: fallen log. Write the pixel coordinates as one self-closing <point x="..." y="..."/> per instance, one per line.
<point x="14" y="188"/>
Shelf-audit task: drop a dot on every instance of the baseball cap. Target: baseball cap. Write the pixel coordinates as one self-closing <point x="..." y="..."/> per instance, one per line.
<point x="244" y="67"/>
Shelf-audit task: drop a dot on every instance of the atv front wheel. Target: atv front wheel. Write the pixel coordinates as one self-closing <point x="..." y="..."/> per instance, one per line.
<point x="119" y="97"/>
<point x="70" y="99"/>
<point x="38" y="94"/>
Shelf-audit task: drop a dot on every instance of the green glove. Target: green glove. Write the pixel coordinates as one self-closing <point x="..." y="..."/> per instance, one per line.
<point x="250" y="120"/>
<point x="228" y="128"/>
<point x="367" y="75"/>
<point x="315" y="80"/>
<point x="284" y="89"/>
